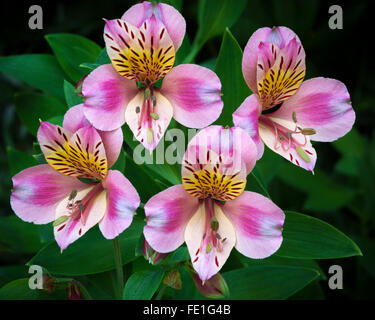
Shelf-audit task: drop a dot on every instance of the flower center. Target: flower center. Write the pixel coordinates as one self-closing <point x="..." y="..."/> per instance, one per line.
<point x="212" y="180"/>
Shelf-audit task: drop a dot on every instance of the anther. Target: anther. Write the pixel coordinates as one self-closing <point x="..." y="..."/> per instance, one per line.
<point x="154" y="100"/>
<point x="147" y="94"/>
<point x="308" y="131"/>
<point x="218" y="236"/>
<point x="73" y="194"/>
<point x="303" y="154"/>
<point x="208" y="247"/>
<point x="150" y="136"/>
<point x="214" y="224"/>
<point x="60" y="220"/>
<point x="294" y="116"/>
<point x="154" y="115"/>
<point x="81" y="208"/>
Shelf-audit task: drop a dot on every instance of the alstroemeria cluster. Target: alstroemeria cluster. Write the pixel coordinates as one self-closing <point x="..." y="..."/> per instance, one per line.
<point x="142" y="46"/>
<point x="284" y="112"/>
<point x="210" y="210"/>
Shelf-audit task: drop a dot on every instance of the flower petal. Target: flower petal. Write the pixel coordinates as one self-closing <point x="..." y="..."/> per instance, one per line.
<point x="169" y="16"/>
<point x="38" y="190"/>
<point x="148" y="118"/>
<point x="167" y="214"/>
<point x="80" y="155"/>
<point x="207" y="261"/>
<point x="296" y="149"/>
<point x="123" y="201"/>
<point x="75" y="227"/>
<point x="75" y="119"/>
<point x="279" y="36"/>
<point x="322" y="104"/>
<point x="246" y="117"/>
<point x="258" y="223"/>
<point x="106" y="97"/>
<point x="233" y="144"/>
<point x="145" y="54"/>
<point x="195" y="94"/>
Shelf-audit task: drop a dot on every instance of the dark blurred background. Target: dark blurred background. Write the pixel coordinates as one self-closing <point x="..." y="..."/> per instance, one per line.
<point x="342" y="190"/>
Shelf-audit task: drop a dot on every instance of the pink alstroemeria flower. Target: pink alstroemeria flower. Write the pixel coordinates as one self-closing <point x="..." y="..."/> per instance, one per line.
<point x="142" y="46"/>
<point x="53" y="192"/>
<point x="214" y="170"/>
<point x="285" y="112"/>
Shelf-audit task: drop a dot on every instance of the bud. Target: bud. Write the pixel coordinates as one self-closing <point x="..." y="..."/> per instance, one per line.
<point x="73" y="292"/>
<point x="173" y="280"/>
<point x="213" y="288"/>
<point x="48" y="283"/>
<point x="151" y="255"/>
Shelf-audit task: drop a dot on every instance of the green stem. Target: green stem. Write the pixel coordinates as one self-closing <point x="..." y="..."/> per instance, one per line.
<point x="161" y="292"/>
<point x="119" y="269"/>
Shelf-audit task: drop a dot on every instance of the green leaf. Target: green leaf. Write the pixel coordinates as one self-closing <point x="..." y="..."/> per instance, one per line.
<point x="143" y="284"/>
<point x="213" y="18"/>
<point x="12" y="272"/>
<point x="71" y="97"/>
<point x="90" y="254"/>
<point x="31" y="107"/>
<point x="18" y="236"/>
<point x="324" y="193"/>
<point x="267" y="282"/>
<point x="229" y="70"/>
<point x="19" y="290"/>
<point x="305" y="237"/>
<point x="19" y="160"/>
<point x="41" y="71"/>
<point x="71" y="50"/>
<point x="120" y="162"/>
<point x="103" y="57"/>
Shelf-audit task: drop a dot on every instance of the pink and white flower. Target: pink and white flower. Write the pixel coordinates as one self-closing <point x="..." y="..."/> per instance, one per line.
<point x="54" y="192"/>
<point x="142" y="46"/>
<point x="284" y="112"/>
<point x="214" y="171"/>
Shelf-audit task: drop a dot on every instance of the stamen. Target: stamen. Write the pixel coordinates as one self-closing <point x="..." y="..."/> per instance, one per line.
<point x="208" y="247"/>
<point x="294" y="116"/>
<point x="308" y="131"/>
<point x="72" y="195"/>
<point x="150" y="136"/>
<point x="214" y="224"/>
<point x="303" y="154"/>
<point x="147" y="94"/>
<point x="154" y="115"/>
<point x="60" y="220"/>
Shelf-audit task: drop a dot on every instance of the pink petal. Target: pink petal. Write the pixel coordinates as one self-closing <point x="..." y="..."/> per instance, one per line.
<point x="147" y="121"/>
<point x="280" y="36"/>
<point x="300" y="153"/>
<point x="258" y="223"/>
<point x="38" y="190"/>
<point x="75" y="119"/>
<point x="208" y="258"/>
<point x="106" y="97"/>
<point x="195" y="93"/>
<point x="169" y="16"/>
<point x="167" y="214"/>
<point x="123" y="201"/>
<point x="144" y="54"/>
<point x="322" y="104"/>
<point x="75" y="227"/>
<point x="233" y="144"/>
<point x="246" y="117"/>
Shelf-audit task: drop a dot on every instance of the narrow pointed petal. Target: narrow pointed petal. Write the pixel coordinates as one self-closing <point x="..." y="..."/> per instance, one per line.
<point x="74" y="119"/>
<point x="322" y="104"/>
<point x="279" y="36"/>
<point x="258" y="223"/>
<point x="246" y="117"/>
<point x="167" y="214"/>
<point x="106" y="97"/>
<point x="75" y="227"/>
<point x="296" y="149"/>
<point x="169" y="16"/>
<point x="38" y="190"/>
<point x="79" y="155"/>
<point x="123" y="201"/>
<point x="208" y="258"/>
<point x="148" y="119"/>
<point x="145" y="54"/>
<point x="195" y="94"/>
